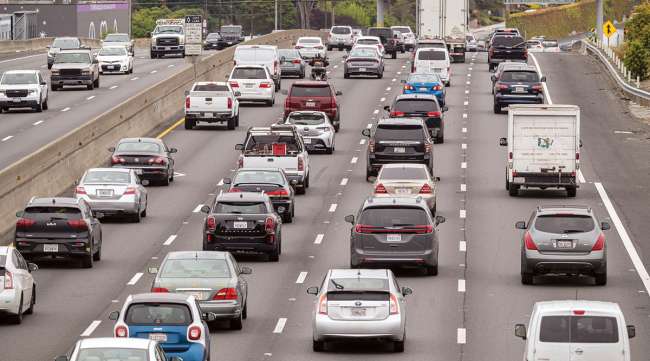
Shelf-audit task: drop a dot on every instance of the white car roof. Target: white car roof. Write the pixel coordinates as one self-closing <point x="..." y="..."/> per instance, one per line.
<point x="310" y="38"/>
<point x="122" y="170"/>
<point x="433" y="49"/>
<point x="249" y="66"/>
<point x="363" y="273"/>
<point x="571" y="305"/>
<point x="100" y="342"/>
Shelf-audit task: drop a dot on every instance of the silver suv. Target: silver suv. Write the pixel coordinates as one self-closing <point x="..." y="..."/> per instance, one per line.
<point x="395" y="231"/>
<point x="340" y="37"/>
<point x="563" y="240"/>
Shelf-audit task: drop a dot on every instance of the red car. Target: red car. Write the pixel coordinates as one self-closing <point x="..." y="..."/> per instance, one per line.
<point x="315" y="96"/>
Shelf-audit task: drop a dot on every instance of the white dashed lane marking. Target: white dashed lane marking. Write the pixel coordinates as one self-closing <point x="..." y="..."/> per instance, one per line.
<point x="153" y="72"/>
<point x="197" y="209"/>
<point x="319" y="238"/>
<point x="466" y="103"/>
<point x="7" y="138"/>
<point x="136" y="277"/>
<point x="462" y="213"/>
<point x="65" y="109"/>
<point x="220" y="182"/>
<point x="279" y="327"/>
<point x="581" y="177"/>
<point x="362" y="141"/>
<point x="461" y="336"/>
<point x="135" y="78"/>
<point x="463" y="165"/>
<point x="38" y="122"/>
<point x="461" y="285"/>
<point x="464" y="115"/>
<point x="464" y="130"/>
<point x="344" y="181"/>
<point x="369" y="125"/>
<point x="462" y="246"/>
<point x="463" y="187"/>
<point x="354" y="160"/>
<point x="376" y="111"/>
<point x="113" y="87"/>
<point x="90" y="97"/>
<point x="91" y="328"/>
<point x="463" y="146"/>
<point x="301" y="277"/>
<point x="332" y="207"/>
<point x="382" y="100"/>
<point x="170" y="240"/>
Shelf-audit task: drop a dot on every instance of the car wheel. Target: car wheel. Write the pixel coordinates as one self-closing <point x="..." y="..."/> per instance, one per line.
<point x="97" y="82"/>
<point x="307" y="182"/>
<point x="45" y="105"/>
<point x="431" y="270"/>
<point x="18" y="318"/>
<point x="394" y="55"/>
<point x="232" y="123"/>
<point x="143" y="214"/>
<point x="236" y="323"/>
<point x="434" y="209"/>
<point x="527" y="278"/>
<point x="329" y="150"/>
<point x="440" y="138"/>
<point x="49" y="66"/>
<point x="346" y="76"/>
<point x="301" y="189"/>
<point x="513" y="190"/>
<point x="237" y="120"/>
<point x="87" y="260"/>
<point x="318" y="346"/>
<point x="54" y="87"/>
<point x="329" y="48"/>
<point x="32" y="302"/>
<point x="91" y="86"/>
<point x="136" y="217"/>
<point x="165" y="181"/>
<point x="39" y="107"/>
<point x="274" y="256"/>
<point x="571" y="192"/>
<point x="398" y="346"/>
<point x="380" y="75"/>
<point x="244" y="312"/>
<point x="287" y="218"/>
<point x="189" y="123"/>
<point x="497" y="108"/>
<point x="98" y="255"/>
<point x="601" y="278"/>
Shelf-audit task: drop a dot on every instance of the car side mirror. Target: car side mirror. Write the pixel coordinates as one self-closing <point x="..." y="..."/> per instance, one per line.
<point x="144" y="182"/>
<point x="445" y="108"/>
<point x="406" y="291"/>
<point x="245" y="271"/>
<point x="494" y="78"/>
<point x="503" y="142"/>
<point x="293" y="182"/>
<point x="152" y="270"/>
<point x="543" y="79"/>
<point x="312" y="290"/>
<point x="349" y="218"/>
<point x="631" y="331"/>
<point x="338" y="92"/>
<point x="366" y="132"/>
<point x="239" y="147"/>
<point x="520" y="225"/>
<point x="187" y="92"/>
<point x="205" y="209"/>
<point x="237" y="93"/>
<point x="605" y="226"/>
<point x="437" y="179"/>
<point x="209" y="316"/>
<point x="403" y="81"/>
<point x="520" y="331"/>
<point x="387" y="108"/>
<point x="32" y="266"/>
<point x="227" y="181"/>
<point x="63" y="357"/>
<point x="111" y="149"/>
<point x="440" y="220"/>
<point x="113" y="316"/>
<point x="173" y="150"/>
<point x="284" y="92"/>
<point x="20" y="214"/>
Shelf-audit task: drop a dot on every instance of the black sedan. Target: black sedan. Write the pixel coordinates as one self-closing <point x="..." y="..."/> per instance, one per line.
<point x="213" y="41"/>
<point x="149" y="157"/>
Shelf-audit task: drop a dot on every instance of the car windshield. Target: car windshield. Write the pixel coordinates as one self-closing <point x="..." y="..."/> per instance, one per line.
<point x="194" y="268"/>
<point x="424" y="78"/>
<point x="107" y="176"/>
<point x="240" y="208"/>
<point x="230" y="29"/>
<point x="393" y="216"/>
<point x="308" y="41"/>
<point x="310" y="91"/>
<point x="259" y="176"/>
<point x="146" y="147"/>
<point x="403" y="174"/>
<point x="358" y="284"/>
<point x="19" y="78"/>
<point x="341" y="30"/>
<point x="289" y="53"/>
<point x="66" y="43"/>
<point x="48" y="212"/>
<point x="112" y="52"/>
<point x="431" y="46"/>
<point x="363" y="53"/>
<point x="550" y="44"/>
<point x="520" y="76"/>
<point x="507" y="41"/>
<point x="416" y="106"/>
<point x="270" y="144"/>
<point x="76" y="58"/>
<point x="248" y="73"/>
<point x="561" y="223"/>
<point x="212" y="36"/>
<point x="168" y="29"/>
<point x="578" y="329"/>
<point x="399" y="132"/>
<point x="306" y="119"/>
<point x="431" y="55"/>
<point x="122" y="38"/>
<point x="381" y="33"/>
<point x="210" y="87"/>
<point x="111" y="353"/>
<point x="158" y="314"/>
<point x="402" y="29"/>
<point x="368" y="41"/>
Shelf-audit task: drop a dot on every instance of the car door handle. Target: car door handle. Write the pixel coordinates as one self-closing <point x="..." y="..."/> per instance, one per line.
<point x="578" y="351"/>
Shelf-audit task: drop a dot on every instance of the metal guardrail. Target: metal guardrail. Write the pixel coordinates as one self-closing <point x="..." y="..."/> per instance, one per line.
<point x="639" y="94"/>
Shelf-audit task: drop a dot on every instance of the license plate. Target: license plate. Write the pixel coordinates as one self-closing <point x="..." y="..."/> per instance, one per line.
<point x="249" y="85"/>
<point x="16" y="100"/>
<point x="240" y="225"/>
<point x="105" y="192"/>
<point x="230" y="43"/>
<point x="424" y="89"/>
<point x="50" y="248"/>
<point x="564" y="244"/>
<point x="403" y="191"/>
<point x="160" y="337"/>
<point x="168" y="48"/>
<point x="310" y="104"/>
<point x="110" y="67"/>
<point x="306" y="140"/>
<point x="393" y="238"/>
<point x="359" y="312"/>
<point x="520" y="90"/>
<point x="362" y="69"/>
<point x="399" y="150"/>
<point x="208" y="115"/>
<point x="437" y="70"/>
<point x="519" y="180"/>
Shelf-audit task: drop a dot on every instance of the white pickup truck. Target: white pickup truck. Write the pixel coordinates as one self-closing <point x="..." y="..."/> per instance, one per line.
<point x="211" y="102"/>
<point x="278" y="146"/>
<point x="543" y="147"/>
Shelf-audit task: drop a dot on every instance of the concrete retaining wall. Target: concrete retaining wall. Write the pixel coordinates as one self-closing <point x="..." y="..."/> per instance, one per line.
<point x="53" y="168"/>
<point x="12" y="46"/>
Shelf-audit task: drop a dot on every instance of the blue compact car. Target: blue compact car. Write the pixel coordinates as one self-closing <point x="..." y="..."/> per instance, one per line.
<point x="425" y="83"/>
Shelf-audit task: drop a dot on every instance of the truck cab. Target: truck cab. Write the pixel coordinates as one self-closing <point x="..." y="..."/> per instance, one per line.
<point x="168" y="38"/>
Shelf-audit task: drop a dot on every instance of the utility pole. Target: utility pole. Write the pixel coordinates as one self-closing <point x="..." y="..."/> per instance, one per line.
<point x="599" y="19"/>
<point x="380" y="13"/>
<point x="276" y="15"/>
<point x="333" y="6"/>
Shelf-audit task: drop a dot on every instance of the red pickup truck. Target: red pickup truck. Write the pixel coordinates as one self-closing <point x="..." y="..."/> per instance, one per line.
<point x="315" y="96"/>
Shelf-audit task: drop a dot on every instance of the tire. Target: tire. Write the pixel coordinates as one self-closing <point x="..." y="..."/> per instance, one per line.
<point x="32" y="302"/>
<point x="96" y="82"/>
<point x="287" y="218"/>
<point x="329" y="150"/>
<point x="244" y="312"/>
<point x="152" y="55"/>
<point x="189" y="123"/>
<point x="513" y="190"/>
<point x="306" y="183"/>
<point x="236" y="323"/>
<point x="394" y="55"/>
<point x="318" y="346"/>
<point x="17" y="319"/>
<point x="143" y="214"/>
<point x="136" y="217"/>
<point x="301" y="190"/>
<point x="165" y="181"/>
<point x="87" y="261"/>
<point x="440" y="138"/>
<point x="398" y="346"/>
<point x="526" y="278"/>
<point x="45" y="105"/>
<point x="49" y="66"/>
<point x="601" y="278"/>
<point x="380" y="75"/>
<point x="369" y="173"/>
<point x="497" y="108"/>
<point x="98" y="255"/>
<point x="346" y="76"/>
<point x="54" y="87"/>
<point x="274" y="256"/>
<point x="434" y="210"/>
<point x="571" y="192"/>
<point x="232" y="123"/>
<point x="431" y="270"/>
<point x="269" y="103"/>
<point x="237" y="120"/>
<point x="39" y="107"/>
<point x="91" y="86"/>
<point x="329" y="48"/>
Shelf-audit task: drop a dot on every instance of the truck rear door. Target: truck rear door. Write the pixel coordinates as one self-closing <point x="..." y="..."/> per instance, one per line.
<point x="204" y="101"/>
<point x="271" y="150"/>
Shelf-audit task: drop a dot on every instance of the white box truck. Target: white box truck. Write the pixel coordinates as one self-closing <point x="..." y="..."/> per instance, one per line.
<point x="543" y="147"/>
<point x="441" y="18"/>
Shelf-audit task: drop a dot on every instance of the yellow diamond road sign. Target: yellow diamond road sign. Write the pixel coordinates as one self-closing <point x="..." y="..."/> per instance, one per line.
<point x="609" y="29"/>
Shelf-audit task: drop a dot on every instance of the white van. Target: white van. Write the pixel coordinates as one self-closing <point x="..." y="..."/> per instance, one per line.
<point x="433" y="60"/>
<point x="576" y="330"/>
<point x="266" y="55"/>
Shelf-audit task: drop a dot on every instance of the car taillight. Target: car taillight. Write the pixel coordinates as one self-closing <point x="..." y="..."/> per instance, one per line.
<point x="80" y="190"/>
<point x="9" y="280"/>
<point x="538" y="88"/>
<point x="157" y="160"/>
<point x="187" y="102"/>
<point x="194" y="333"/>
<point x="529" y="243"/>
<point x="408" y="87"/>
<point x="225" y="294"/>
<point x="577" y="156"/>
<point x="427" y="228"/>
<point x="117" y="160"/>
<point x="510" y="157"/>
<point x="121" y="331"/>
<point x="322" y="304"/>
<point x="579" y="312"/>
<point x="426" y="189"/>
<point x="129" y="190"/>
<point x="371" y="145"/>
<point x="278" y="192"/>
<point x="363" y="228"/>
<point x="78" y="224"/>
<point x="159" y="290"/>
<point x="526" y="54"/>
<point x="25" y="223"/>
<point x="269" y="225"/>
<point x="229" y="103"/>
<point x="211" y="223"/>
<point x="295" y="61"/>
<point x="393" y="305"/>
<point x="502" y="86"/>
<point x="434" y="114"/>
<point x="396" y="113"/>
<point x="437" y="87"/>
<point x="600" y="243"/>
<point x="380" y="189"/>
<point x="301" y="164"/>
<point x="234" y="84"/>
<point x="265" y="85"/>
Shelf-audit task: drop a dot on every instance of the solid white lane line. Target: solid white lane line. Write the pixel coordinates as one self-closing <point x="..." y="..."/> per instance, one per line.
<point x="539" y="71"/>
<point x="301" y="277"/>
<point x="362" y="141"/>
<point x="280" y="325"/>
<point x="332" y="207"/>
<point x="65" y="109"/>
<point x="461" y="285"/>
<point x="90" y="97"/>
<point x="464" y="130"/>
<point x="462" y="213"/>
<point x="463" y="146"/>
<point x="319" y="238"/>
<point x="135" y="78"/>
<point x="21" y="58"/>
<point x="376" y="111"/>
<point x="134" y="279"/>
<point x="7" y="138"/>
<point x="382" y="100"/>
<point x="170" y="240"/>
<point x="625" y="238"/>
<point x="462" y="246"/>
<point x="354" y="160"/>
<point x="463" y="187"/>
<point x="113" y="87"/>
<point x="461" y="336"/>
<point x="463" y="165"/>
<point x="197" y="209"/>
<point x="581" y="177"/>
<point x="38" y="122"/>
<point x="344" y="181"/>
<point x="91" y="328"/>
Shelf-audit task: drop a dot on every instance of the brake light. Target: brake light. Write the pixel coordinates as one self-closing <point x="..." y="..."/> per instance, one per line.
<point x="234" y="190"/>
<point x="600" y="243"/>
<point x="159" y="290"/>
<point x="78" y="224"/>
<point x="578" y="312"/>
<point x="397" y="114"/>
<point x="393" y="305"/>
<point x="296" y="61"/>
<point x="371" y="145"/>
<point x="121" y="331"/>
<point x="301" y="164"/>
<point x="577" y="156"/>
<point x="510" y="157"/>
<point x="157" y="160"/>
<point x="537" y="88"/>
<point x="434" y="114"/>
<point x="234" y="84"/>
<point x="25" y="222"/>
<point x="269" y="225"/>
<point x="225" y="294"/>
<point x="79" y="190"/>
<point x="229" y="103"/>
<point x="502" y="87"/>
<point x="380" y="189"/>
<point x="426" y="189"/>
<point x="437" y="87"/>
<point x="129" y="190"/>
<point x="526" y="54"/>
<point x="194" y="333"/>
<point x="265" y="85"/>
<point x="529" y="243"/>
<point x="408" y="87"/>
<point x="278" y="192"/>
<point x="117" y="160"/>
<point x="322" y="304"/>
<point x="187" y="102"/>
<point x="211" y="223"/>
<point x="9" y="280"/>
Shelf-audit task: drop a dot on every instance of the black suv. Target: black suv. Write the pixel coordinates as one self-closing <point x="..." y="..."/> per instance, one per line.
<point x="243" y="223"/>
<point x="518" y="86"/>
<point x="389" y="39"/>
<point x="423" y="106"/>
<point x="59" y="227"/>
<point x="504" y="47"/>
<point x="398" y="140"/>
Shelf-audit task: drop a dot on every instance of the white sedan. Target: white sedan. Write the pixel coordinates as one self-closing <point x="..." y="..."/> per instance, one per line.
<point x="371" y="40"/>
<point x="315" y="128"/>
<point x="109" y="348"/>
<point x="115" y="59"/>
<point x="309" y="47"/>
<point x="17" y="287"/>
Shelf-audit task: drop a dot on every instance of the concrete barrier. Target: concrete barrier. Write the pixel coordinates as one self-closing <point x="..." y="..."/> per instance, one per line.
<point x="36" y="44"/>
<point x="54" y="167"/>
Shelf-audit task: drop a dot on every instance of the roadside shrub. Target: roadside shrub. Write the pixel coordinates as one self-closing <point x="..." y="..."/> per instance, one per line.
<point x="636" y="58"/>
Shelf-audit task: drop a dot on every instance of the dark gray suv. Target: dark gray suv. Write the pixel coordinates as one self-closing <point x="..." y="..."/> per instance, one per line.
<point x="563" y="240"/>
<point x="394" y="231"/>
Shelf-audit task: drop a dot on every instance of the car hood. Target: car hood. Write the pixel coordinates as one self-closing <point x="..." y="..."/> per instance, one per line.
<point x="70" y="66"/>
<point x="18" y="86"/>
<point x="112" y="58"/>
<point x="168" y="35"/>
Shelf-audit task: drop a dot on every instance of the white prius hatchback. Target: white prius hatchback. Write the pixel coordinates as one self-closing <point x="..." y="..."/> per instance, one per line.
<point x="17" y="287"/>
<point x="115" y="59"/>
<point x="254" y="83"/>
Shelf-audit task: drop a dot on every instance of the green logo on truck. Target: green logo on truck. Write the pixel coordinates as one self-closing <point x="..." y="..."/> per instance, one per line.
<point x="544" y="143"/>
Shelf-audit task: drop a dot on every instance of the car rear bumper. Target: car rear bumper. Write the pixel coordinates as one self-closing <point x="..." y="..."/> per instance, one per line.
<point x="518" y="99"/>
<point x="360" y="257"/>
<point x="361" y="70"/>
<point x="32" y="248"/>
<point x="582" y="263"/>
<point x="261" y="96"/>
<point x="502" y="60"/>
<point x="293" y="70"/>
<point x="239" y="244"/>
<point x="327" y="329"/>
<point x="209" y="117"/>
<point x="113" y="207"/>
<point x="195" y="352"/>
<point x="318" y="142"/>
<point x="545" y="180"/>
<point x="148" y="173"/>
<point x="222" y="309"/>
<point x="9" y="301"/>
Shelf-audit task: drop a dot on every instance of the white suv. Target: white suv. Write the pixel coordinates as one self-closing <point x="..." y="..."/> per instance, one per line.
<point x="407" y="36"/>
<point x="340" y="37"/>
<point x="23" y="89"/>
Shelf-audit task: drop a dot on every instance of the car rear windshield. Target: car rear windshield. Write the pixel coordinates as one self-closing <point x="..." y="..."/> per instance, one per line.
<point x="393" y="216"/>
<point x="403" y="29"/>
<point x="431" y="55"/>
<point x="66" y="43"/>
<point x="341" y="30"/>
<point x="211" y="88"/>
<point x="416" y="105"/>
<point x="424" y="78"/>
<point x="263" y="144"/>
<point x="195" y="268"/>
<point x="289" y="53"/>
<point x="117" y="38"/>
<point x="508" y="41"/>
<point x="560" y="223"/>
<point x="112" y="353"/>
<point x="240" y="208"/>
<point x="19" y="79"/>
<point x="259" y="176"/>
<point x="48" y="212"/>
<point x="431" y="45"/>
<point x="363" y="53"/>
<point x="255" y="54"/>
<point x="231" y="29"/>
<point x="519" y="76"/>
<point x="248" y="73"/>
<point x="308" y="41"/>
<point x="213" y="36"/>
<point x="158" y="314"/>
<point x="357" y="284"/>
<point x="399" y="132"/>
<point x="382" y="33"/>
<point x="306" y="119"/>
<point x="144" y="147"/>
<point x="403" y="173"/>
<point x="75" y="58"/>
<point x="550" y="44"/>
<point x="368" y="41"/>
<point x="310" y="91"/>
<point x="106" y="176"/>
<point x="578" y="329"/>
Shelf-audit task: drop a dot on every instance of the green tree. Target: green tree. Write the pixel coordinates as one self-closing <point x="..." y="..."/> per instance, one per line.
<point x="636" y="58"/>
<point x="637" y="27"/>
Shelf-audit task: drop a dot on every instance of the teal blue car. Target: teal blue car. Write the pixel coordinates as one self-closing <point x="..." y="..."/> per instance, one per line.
<point x="425" y="83"/>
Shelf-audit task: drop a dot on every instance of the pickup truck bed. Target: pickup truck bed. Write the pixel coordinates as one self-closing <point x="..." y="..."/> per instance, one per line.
<point x="211" y="107"/>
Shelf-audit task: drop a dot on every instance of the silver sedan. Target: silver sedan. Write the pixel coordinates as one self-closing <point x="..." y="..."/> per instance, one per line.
<point x="316" y="129"/>
<point x="405" y="180"/>
<point x="359" y="305"/>
<point x="114" y="192"/>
